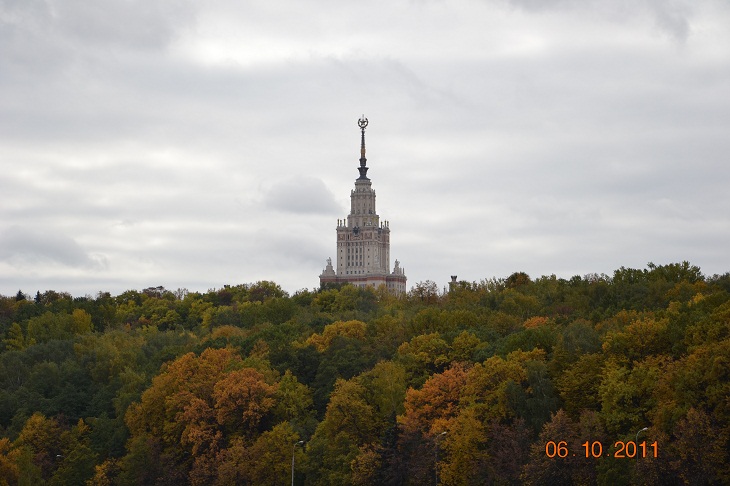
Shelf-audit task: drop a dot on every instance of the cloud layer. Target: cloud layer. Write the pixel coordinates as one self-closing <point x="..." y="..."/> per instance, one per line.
<point x="191" y="145"/>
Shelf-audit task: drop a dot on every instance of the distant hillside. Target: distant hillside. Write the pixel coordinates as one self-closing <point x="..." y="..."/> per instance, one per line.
<point x="620" y="379"/>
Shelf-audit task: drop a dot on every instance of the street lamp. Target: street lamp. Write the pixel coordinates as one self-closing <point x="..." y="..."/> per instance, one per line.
<point x="293" y="450"/>
<point x="636" y="443"/>
<point x="436" y="456"/>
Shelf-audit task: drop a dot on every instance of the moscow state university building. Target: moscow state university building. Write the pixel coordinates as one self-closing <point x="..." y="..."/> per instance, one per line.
<point x="363" y="240"/>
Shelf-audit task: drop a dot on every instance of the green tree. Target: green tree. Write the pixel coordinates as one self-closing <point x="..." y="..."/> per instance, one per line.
<point x="77" y="460"/>
<point x="577" y="339"/>
<point x="578" y="384"/>
<point x="424" y="355"/>
<point x="465" y="347"/>
<point x="348" y="424"/>
<point x="628" y="395"/>
<point x="50" y="326"/>
<point x="426" y="292"/>
<point x="15" y="339"/>
<point x="294" y="404"/>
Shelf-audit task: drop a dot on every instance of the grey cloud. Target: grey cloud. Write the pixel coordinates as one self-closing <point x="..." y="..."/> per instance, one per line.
<point x="670" y="16"/>
<point x="22" y="246"/>
<point x="302" y="195"/>
<point x="135" y="23"/>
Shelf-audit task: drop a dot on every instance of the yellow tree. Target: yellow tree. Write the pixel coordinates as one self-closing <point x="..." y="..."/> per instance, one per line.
<point x="438" y="401"/>
<point x="192" y="411"/>
<point x="350" y="329"/>
<point x="171" y="390"/>
<point x="242" y="398"/>
<point x="42" y="437"/>
<point x="428" y="413"/>
<point x="464" y="445"/>
<point x="81" y="322"/>
<point x="9" y="470"/>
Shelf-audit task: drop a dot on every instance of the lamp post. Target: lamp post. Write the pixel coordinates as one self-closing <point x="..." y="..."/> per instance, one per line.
<point x="436" y="457"/>
<point x="636" y="443"/>
<point x="293" y="450"/>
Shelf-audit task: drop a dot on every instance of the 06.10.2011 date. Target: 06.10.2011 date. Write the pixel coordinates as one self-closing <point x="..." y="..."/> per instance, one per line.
<point x="621" y="449"/>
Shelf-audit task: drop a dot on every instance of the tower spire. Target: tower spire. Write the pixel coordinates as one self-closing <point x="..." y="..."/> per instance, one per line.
<point x="362" y="123"/>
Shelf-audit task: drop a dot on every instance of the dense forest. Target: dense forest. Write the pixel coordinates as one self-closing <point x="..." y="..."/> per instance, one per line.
<point x="620" y="379"/>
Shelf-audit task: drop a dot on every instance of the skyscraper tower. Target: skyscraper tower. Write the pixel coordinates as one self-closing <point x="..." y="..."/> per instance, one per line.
<point x="363" y="240"/>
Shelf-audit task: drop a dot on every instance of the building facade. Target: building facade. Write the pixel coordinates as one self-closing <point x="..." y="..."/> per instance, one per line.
<point x="363" y="240"/>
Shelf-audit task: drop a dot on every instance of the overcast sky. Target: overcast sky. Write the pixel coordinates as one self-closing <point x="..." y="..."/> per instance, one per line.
<point x="197" y="144"/>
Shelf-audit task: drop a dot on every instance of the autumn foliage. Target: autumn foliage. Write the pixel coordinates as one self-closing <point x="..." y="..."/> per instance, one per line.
<point x="503" y="381"/>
